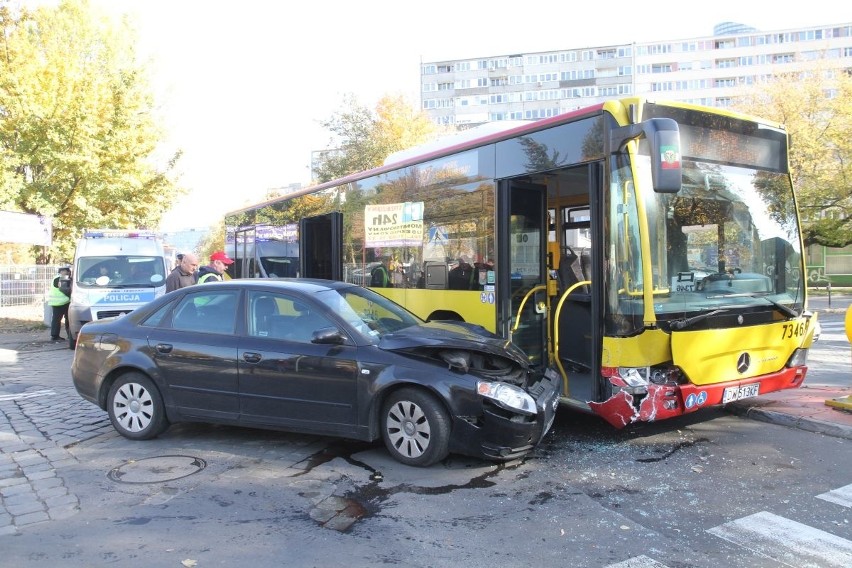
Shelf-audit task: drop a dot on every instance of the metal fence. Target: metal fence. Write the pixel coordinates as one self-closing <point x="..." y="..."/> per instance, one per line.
<point x="25" y="285"/>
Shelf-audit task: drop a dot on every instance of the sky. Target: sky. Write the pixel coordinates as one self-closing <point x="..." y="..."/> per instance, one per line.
<point x="243" y="86"/>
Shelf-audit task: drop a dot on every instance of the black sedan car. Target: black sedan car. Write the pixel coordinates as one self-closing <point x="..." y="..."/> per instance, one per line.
<point x="318" y="357"/>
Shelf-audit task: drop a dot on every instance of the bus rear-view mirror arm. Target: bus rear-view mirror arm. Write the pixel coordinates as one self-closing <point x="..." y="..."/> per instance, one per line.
<point x="663" y="136"/>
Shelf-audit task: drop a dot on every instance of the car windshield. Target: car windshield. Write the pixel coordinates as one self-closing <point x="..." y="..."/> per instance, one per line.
<point x="370" y="314"/>
<point x="120" y="271"/>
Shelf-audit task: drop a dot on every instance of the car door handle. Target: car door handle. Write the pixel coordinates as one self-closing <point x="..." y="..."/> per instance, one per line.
<point x="250" y="357"/>
<point x="164" y="348"/>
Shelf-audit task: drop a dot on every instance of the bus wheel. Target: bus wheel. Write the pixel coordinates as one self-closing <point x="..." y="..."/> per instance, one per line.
<point x="415" y="427"/>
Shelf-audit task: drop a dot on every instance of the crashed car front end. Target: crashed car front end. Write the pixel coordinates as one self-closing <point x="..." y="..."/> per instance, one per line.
<point x="512" y="420"/>
<point x="501" y="408"/>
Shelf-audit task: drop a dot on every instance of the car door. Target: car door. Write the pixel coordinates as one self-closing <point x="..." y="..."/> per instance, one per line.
<point x="196" y="354"/>
<point x="287" y="381"/>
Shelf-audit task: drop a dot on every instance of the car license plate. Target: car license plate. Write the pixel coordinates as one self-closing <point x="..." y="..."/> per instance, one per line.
<point x="738" y="393"/>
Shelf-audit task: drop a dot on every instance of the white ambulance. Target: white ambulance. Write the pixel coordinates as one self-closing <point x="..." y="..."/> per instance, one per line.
<point x="115" y="272"/>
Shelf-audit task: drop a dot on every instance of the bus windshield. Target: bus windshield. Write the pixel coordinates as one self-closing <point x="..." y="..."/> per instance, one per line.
<point x="730" y="237"/>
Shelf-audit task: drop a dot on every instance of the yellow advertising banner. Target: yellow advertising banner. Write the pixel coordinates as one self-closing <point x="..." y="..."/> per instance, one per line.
<point x="393" y="224"/>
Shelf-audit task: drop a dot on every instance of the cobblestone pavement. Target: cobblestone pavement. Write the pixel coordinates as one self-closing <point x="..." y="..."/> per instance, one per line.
<point x="45" y="426"/>
<point x="37" y="426"/>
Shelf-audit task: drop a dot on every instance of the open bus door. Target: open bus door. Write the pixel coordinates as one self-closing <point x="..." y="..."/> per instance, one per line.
<point x="320" y="246"/>
<point x="576" y="309"/>
<point x="245" y="265"/>
<point x="554" y="302"/>
<point x="526" y="277"/>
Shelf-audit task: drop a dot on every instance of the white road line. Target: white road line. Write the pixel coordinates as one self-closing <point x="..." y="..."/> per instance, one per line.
<point x="825" y="337"/>
<point x="24" y="395"/>
<point x="788" y="542"/>
<point x="637" y="562"/>
<point x="842" y="496"/>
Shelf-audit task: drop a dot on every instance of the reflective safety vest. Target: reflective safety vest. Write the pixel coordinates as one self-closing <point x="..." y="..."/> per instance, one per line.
<point x="209" y="277"/>
<point x="56" y="297"/>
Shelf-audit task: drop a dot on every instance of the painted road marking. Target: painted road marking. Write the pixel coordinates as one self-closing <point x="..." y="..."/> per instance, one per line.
<point x="832" y="331"/>
<point x="637" y="562"/>
<point x="25" y="395"/>
<point x="842" y="496"/>
<point x="788" y="542"/>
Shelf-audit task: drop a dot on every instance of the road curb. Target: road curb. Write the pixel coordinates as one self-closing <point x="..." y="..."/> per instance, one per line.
<point x="782" y="419"/>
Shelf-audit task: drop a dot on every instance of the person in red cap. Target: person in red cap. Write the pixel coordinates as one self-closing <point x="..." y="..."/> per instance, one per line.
<point x="219" y="262"/>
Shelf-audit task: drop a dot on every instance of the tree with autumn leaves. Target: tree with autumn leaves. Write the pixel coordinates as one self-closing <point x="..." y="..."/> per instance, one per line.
<point x="78" y="128"/>
<point x="815" y="106"/>
<point x="361" y="138"/>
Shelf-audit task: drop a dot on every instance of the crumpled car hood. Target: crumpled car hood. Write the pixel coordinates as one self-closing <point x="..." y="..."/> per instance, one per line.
<point x="456" y="335"/>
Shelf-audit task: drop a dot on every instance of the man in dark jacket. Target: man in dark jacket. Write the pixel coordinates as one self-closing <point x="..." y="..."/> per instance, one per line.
<point x="219" y="262"/>
<point x="183" y="274"/>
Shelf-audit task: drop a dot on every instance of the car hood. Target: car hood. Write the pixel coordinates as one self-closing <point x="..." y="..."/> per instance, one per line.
<point x="455" y="335"/>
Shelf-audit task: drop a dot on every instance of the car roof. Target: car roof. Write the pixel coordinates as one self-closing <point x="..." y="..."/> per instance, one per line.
<point x="304" y="285"/>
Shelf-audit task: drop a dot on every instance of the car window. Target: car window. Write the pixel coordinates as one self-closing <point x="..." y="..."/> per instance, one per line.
<point x="157" y="318"/>
<point x="280" y="316"/>
<point x="208" y="311"/>
<point x="369" y="314"/>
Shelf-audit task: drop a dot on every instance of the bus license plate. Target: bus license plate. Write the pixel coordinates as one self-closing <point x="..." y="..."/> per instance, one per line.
<point x="738" y="393"/>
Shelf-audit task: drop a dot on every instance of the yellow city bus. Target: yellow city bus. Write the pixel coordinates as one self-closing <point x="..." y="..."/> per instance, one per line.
<point x="649" y="252"/>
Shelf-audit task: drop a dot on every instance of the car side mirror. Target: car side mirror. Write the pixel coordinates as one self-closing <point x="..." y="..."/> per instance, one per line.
<point x="328" y="336"/>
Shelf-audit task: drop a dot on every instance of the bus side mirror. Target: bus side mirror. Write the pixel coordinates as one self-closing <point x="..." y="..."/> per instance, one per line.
<point x="663" y="136"/>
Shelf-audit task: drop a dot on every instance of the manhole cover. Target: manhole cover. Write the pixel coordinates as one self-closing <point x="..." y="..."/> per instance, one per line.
<point x="157" y="470"/>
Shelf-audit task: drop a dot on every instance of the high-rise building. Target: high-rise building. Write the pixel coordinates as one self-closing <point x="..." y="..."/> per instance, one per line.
<point x="706" y="70"/>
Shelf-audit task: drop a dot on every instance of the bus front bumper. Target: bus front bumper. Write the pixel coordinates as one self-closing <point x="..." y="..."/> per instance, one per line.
<point x="661" y="402"/>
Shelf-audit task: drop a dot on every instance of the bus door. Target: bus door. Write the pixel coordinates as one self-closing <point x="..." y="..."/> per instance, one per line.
<point x="320" y="246"/>
<point x="525" y="280"/>
<point x="245" y="265"/>
<point x="576" y="328"/>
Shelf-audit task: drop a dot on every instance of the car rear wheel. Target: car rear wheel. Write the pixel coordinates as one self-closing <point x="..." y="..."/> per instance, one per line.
<point x="415" y="427"/>
<point x="136" y="408"/>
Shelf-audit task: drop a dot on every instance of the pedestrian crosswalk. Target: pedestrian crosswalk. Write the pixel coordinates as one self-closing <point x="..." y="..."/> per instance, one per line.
<point x="842" y="496"/>
<point x="833" y="331"/>
<point x="786" y="541"/>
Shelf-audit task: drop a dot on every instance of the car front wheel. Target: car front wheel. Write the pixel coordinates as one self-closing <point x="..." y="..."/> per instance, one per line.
<point x="136" y="408"/>
<point x="415" y="428"/>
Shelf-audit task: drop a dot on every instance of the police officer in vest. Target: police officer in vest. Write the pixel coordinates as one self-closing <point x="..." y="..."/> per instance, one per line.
<point x="58" y="298"/>
<point x="219" y="262"/>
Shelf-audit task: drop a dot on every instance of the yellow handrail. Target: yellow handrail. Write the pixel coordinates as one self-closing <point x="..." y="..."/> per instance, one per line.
<point x="524" y="301"/>
<point x="562" y="372"/>
<point x="532" y="291"/>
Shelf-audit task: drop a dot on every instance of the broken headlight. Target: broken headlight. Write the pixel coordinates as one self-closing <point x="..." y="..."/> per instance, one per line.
<point x="507" y="396"/>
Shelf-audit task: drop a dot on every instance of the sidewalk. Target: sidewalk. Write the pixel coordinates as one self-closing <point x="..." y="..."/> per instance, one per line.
<point x="804" y="408"/>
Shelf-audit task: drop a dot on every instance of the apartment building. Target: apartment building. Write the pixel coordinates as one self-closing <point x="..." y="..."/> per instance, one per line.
<point x="706" y="70"/>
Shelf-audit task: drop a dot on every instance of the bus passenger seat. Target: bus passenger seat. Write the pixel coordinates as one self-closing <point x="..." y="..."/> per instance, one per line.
<point x="570" y="270"/>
